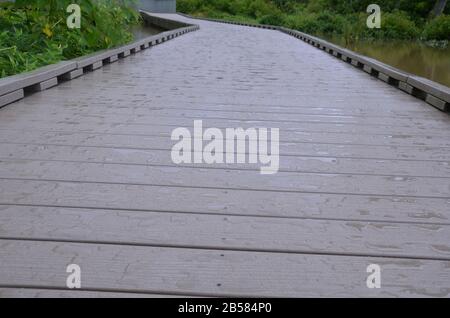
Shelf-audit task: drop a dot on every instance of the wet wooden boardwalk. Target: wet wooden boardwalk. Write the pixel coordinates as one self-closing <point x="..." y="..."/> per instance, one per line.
<point x="86" y="178"/>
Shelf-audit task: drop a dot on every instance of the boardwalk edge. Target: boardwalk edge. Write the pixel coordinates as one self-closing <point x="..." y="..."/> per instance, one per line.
<point x="16" y="87"/>
<point x="431" y="92"/>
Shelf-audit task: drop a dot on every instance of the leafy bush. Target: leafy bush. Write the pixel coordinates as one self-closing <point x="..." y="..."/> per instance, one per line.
<point x="189" y="6"/>
<point x="398" y="26"/>
<point x="272" y="19"/>
<point x="305" y="23"/>
<point x="34" y="32"/>
<point x="401" y="19"/>
<point x="395" y="25"/>
<point x="438" y="29"/>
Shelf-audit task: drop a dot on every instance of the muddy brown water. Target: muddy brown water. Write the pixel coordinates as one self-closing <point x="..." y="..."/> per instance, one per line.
<point x="412" y="57"/>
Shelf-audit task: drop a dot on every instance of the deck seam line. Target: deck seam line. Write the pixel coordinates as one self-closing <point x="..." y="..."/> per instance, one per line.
<point x="168" y="149"/>
<point x="164" y="134"/>
<point x="225" y="189"/>
<point x="277" y="112"/>
<point x="218" y="214"/>
<point x="288" y="129"/>
<point x="406" y="116"/>
<point x="211" y="167"/>
<point x="330" y="123"/>
<point x="426" y="111"/>
<point x="207" y="248"/>
<point x="113" y="290"/>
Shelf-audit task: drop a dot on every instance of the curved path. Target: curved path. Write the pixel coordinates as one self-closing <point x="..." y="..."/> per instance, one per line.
<point x="86" y="178"/>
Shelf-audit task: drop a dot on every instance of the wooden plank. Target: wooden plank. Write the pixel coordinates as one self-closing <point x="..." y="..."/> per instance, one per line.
<point x="216" y="273"/>
<point x="311" y="108"/>
<point x="230" y="202"/>
<point x="227" y="179"/>
<point x="227" y="232"/>
<point x="428" y="86"/>
<point x="286" y="122"/>
<point x="289" y="132"/>
<point x="309" y="116"/>
<point x="72" y="293"/>
<point x="338" y="211"/>
<point x="42" y="74"/>
<point x="11" y="97"/>
<point x="319" y="164"/>
<point x="76" y="138"/>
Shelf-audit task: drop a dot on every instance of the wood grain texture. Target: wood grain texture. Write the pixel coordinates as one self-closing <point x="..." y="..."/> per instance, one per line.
<point x="61" y="293"/>
<point x="227" y="232"/>
<point x="291" y="135"/>
<point x="226" y="201"/>
<point x="216" y="273"/>
<point x="86" y="177"/>
<point x="133" y="141"/>
<point x="315" y="164"/>
<point x="229" y="179"/>
<point x="150" y="123"/>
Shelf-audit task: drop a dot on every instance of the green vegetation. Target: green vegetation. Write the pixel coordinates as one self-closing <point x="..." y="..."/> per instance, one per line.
<point x="34" y="33"/>
<point x="438" y="28"/>
<point x="427" y="20"/>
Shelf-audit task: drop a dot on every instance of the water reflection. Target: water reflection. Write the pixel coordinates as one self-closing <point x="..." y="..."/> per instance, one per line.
<point x="412" y="57"/>
<point x="140" y="32"/>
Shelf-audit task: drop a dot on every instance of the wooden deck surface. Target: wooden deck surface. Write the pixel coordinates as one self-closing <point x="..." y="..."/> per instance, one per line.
<point x="86" y="177"/>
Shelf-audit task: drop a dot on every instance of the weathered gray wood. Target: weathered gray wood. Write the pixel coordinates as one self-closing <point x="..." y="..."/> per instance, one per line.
<point x="226" y="201"/>
<point x="214" y="272"/>
<point x="386" y="70"/>
<point x="96" y="57"/>
<point x="433" y="88"/>
<point x="422" y="153"/>
<point x="286" y="122"/>
<point x="73" y="293"/>
<point x="42" y="86"/>
<point x="73" y="74"/>
<point x="406" y="87"/>
<point x="11" y="97"/>
<point x="318" y="164"/>
<point x="364" y="171"/>
<point x="310" y="116"/>
<point x="17" y="82"/>
<point x="436" y="102"/>
<point x="337" y="112"/>
<point x="367" y="69"/>
<point x="227" y="179"/>
<point x="112" y="59"/>
<point x="227" y="232"/>
<point x="290" y="135"/>
<point x="383" y="77"/>
<point x="124" y="54"/>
